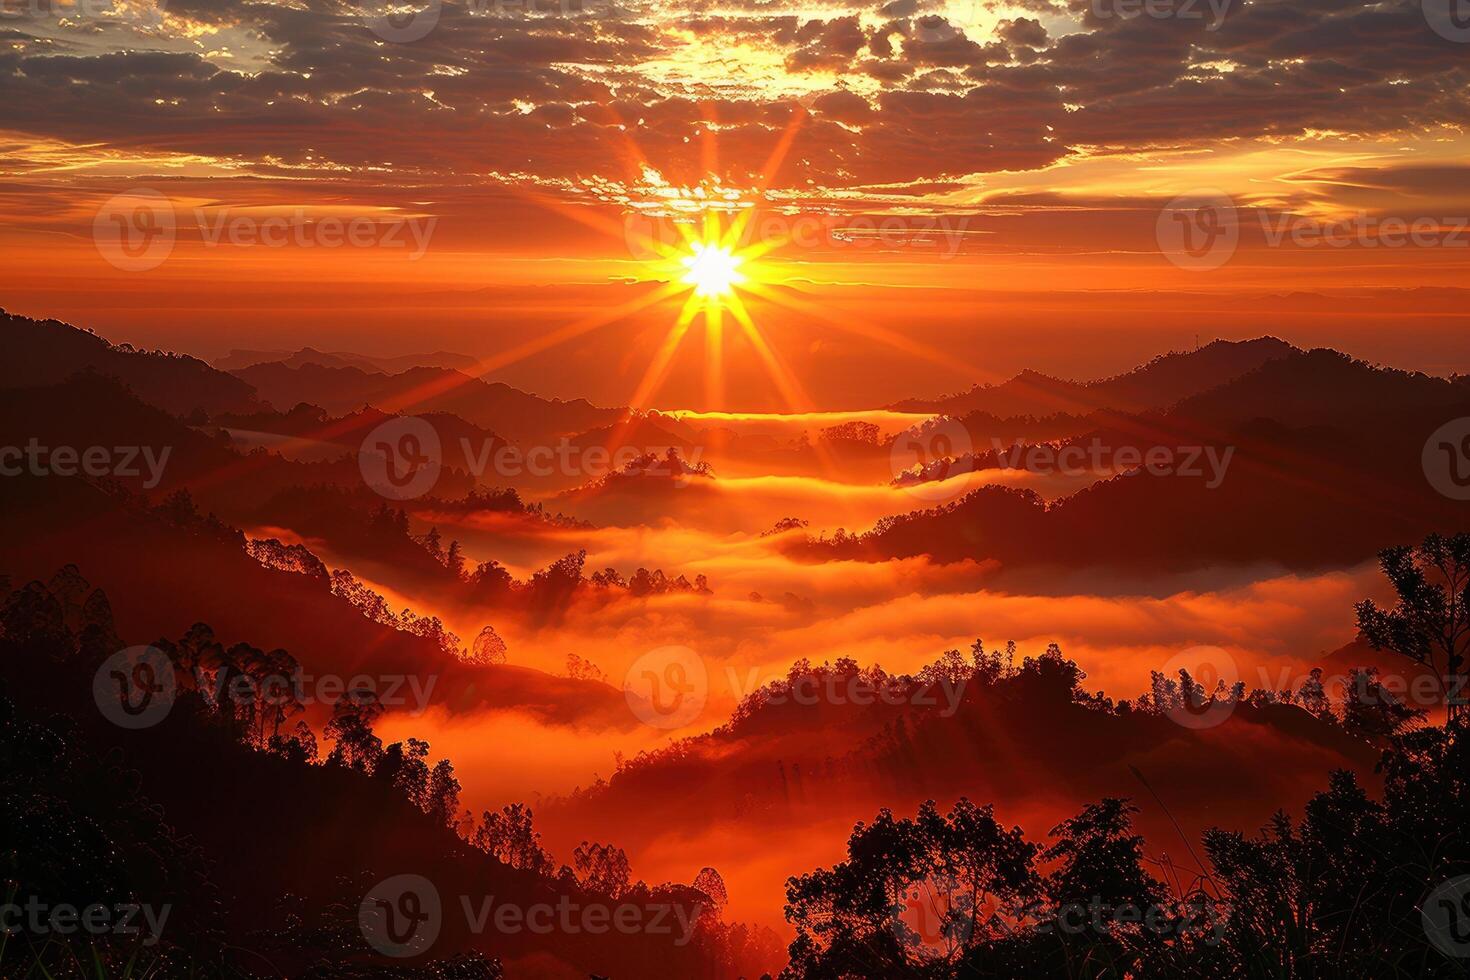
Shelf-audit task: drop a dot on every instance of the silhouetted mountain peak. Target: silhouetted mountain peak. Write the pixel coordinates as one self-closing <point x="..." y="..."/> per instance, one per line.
<point x="489" y="405"/>
<point x="1155" y="385"/>
<point x="45" y="352"/>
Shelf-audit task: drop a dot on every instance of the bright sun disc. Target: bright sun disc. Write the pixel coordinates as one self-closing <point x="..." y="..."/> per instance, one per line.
<point x="713" y="270"/>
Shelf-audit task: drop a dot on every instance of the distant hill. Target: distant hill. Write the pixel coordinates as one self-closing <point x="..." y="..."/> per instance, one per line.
<point x="264" y="846"/>
<point x="1156" y="385"/>
<point x="521" y="417"/>
<point x="140" y="557"/>
<point x="784" y="764"/>
<point x="646" y="490"/>
<point x="463" y="446"/>
<point x="44" y="352"/>
<point x="1325" y="469"/>
<point x="1320" y="387"/>
<point x="237" y="360"/>
<point x="87" y="411"/>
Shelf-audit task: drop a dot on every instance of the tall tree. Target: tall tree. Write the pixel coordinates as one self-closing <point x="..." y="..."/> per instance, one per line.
<point x="1430" y="623"/>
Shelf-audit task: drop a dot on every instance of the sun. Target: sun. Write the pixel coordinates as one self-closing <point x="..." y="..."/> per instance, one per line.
<point x="713" y="269"/>
<point x="711" y="264"/>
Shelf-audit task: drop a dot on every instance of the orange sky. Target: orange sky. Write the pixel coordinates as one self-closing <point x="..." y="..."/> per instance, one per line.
<point x="931" y="194"/>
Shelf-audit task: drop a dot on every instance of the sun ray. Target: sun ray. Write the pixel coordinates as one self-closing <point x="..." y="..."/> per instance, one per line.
<point x="796" y="398"/>
<point x="659" y="366"/>
<point x="449" y="381"/>
<point x="785" y="381"/>
<point x="714" y="358"/>
<point x="706" y="260"/>
<point x="773" y="163"/>
<point x="944" y="359"/>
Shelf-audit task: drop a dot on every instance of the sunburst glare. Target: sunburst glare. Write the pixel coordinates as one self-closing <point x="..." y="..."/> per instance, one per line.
<point x="713" y="269"/>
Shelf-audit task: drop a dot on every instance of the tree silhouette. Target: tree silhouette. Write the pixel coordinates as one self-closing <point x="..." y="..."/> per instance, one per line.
<point x="488" y="648"/>
<point x="1371" y="711"/>
<point x="454" y="560"/>
<point x="352" y="729"/>
<point x="913" y="897"/>
<point x="509" y="837"/>
<point x="1430" y="623"/>
<point x="602" y="868"/>
<point x="712" y="885"/>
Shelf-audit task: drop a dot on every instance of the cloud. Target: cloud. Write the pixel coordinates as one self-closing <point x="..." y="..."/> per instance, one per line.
<point x="493" y="91"/>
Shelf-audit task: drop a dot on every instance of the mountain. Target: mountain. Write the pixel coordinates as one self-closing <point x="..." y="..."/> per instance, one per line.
<point x="1155" y="385"/>
<point x="1311" y="460"/>
<point x="463" y="447"/>
<point x="523" y="418"/>
<point x="189" y="815"/>
<point x="45" y="352"/>
<point x="1321" y="387"/>
<point x="146" y="449"/>
<point x="139" y="554"/>
<point x="647" y="489"/>
<point x="788" y="766"/>
<point x="237" y="360"/>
